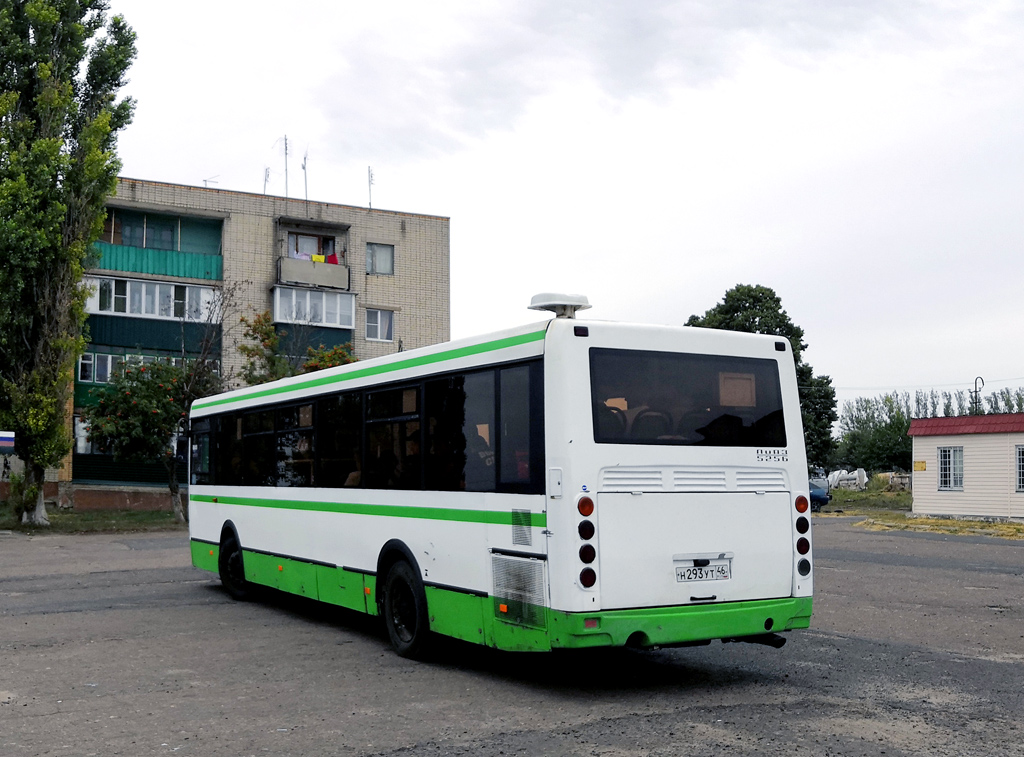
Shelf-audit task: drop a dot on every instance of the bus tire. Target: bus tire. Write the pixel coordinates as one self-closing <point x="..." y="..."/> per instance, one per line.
<point x="231" y="568"/>
<point x="405" y="611"/>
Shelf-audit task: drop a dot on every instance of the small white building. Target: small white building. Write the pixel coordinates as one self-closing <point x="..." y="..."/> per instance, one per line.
<point x="969" y="466"/>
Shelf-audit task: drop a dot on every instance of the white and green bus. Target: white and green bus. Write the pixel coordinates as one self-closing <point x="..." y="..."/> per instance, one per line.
<point x="565" y="484"/>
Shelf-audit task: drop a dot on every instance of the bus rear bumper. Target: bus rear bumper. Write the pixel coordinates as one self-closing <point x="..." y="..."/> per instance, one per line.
<point x="669" y="626"/>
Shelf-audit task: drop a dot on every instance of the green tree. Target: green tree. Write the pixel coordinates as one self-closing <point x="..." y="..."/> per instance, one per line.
<point x="873" y="433"/>
<point x="327" y="357"/>
<point x="757" y="309"/>
<point x="61" y="65"/>
<point x="139" y="414"/>
<point x="267" y="360"/>
<point x="264" y="359"/>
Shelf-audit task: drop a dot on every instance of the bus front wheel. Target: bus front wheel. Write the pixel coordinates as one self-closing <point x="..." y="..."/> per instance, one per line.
<point x="231" y="569"/>
<point x="405" y="611"/>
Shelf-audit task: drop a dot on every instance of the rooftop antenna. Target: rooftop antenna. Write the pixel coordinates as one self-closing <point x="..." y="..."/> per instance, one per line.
<point x="369" y="179"/>
<point x="562" y="305"/>
<point x="305" y="176"/>
<point x="208" y="182"/>
<point x="976" y="401"/>
<point x="285" y="165"/>
<point x="266" y="178"/>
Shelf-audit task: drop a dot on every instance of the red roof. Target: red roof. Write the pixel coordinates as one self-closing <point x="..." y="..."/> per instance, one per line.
<point x="1003" y="423"/>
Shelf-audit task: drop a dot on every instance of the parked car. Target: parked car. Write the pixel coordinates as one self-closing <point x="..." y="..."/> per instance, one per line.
<point x="819" y="497"/>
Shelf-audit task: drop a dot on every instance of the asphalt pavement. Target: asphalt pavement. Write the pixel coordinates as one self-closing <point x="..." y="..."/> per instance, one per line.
<point x="115" y="645"/>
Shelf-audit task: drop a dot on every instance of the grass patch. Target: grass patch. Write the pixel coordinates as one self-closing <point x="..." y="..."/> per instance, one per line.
<point x="894" y="521"/>
<point x="891" y="511"/>
<point x="870" y="501"/>
<point x="95" y="521"/>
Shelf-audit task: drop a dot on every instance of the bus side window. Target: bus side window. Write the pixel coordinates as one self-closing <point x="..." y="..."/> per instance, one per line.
<point x="393" y="459"/>
<point x="227" y="453"/>
<point x="295" y="446"/>
<point x="339" y="440"/>
<point x="515" y="424"/>
<point x="259" y="465"/>
<point x="478" y="432"/>
<point x="200" y="464"/>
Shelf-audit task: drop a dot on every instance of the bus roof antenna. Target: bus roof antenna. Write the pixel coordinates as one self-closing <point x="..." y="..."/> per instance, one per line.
<point x="562" y="305"/>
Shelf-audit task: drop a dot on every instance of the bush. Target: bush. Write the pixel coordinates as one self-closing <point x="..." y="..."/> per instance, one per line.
<point x="22" y="496"/>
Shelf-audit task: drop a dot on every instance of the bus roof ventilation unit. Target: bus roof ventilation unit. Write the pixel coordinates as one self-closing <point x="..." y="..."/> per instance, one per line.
<point x="562" y="305"/>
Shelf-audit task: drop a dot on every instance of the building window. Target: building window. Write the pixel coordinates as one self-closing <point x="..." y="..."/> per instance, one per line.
<point x="82" y="444"/>
<point x="1020" y="468"/>
<point x="951" y="468"/>
<point x="312" y="247"/>
<point x="97" y="368"/>
<point x="315" y="307"/>
<point x="380" y="259"/>
<point x="379" y="325"/>
<point x="86" y="369"/>
<point x="150" y="299"/>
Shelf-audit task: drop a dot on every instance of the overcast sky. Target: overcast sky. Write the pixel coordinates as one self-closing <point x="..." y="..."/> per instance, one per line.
<point x="863" y="159"/>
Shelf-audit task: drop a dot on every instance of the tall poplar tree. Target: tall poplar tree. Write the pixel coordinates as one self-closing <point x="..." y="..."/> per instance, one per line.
<point x="62" y="63"/>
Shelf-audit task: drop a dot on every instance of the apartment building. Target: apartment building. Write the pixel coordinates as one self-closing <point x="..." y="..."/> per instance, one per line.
<point x="178" y="266"/>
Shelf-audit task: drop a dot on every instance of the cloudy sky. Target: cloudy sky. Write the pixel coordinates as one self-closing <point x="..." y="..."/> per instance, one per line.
<point x="863" y="159"/>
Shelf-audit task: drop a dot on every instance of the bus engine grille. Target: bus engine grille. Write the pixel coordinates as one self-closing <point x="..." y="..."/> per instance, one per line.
<point x="519" y="590"/>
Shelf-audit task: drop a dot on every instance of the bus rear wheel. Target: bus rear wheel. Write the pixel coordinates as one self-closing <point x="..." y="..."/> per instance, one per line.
<point x="405" y="611"/>
<point x="231" y="568"/>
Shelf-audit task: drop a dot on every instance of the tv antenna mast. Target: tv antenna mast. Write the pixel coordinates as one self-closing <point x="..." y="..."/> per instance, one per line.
<point x="267" y="174"/>
<point x="266" y="178"/>
<point x="369" y="179"/>
<point x="305" y="176"/>
<point x="208" y="182"/>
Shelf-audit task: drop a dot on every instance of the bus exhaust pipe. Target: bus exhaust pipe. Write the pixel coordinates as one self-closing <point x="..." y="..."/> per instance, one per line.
<point x="767" y="639"/>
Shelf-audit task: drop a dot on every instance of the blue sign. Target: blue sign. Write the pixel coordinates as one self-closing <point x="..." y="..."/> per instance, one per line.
<point x="6" y="442"/>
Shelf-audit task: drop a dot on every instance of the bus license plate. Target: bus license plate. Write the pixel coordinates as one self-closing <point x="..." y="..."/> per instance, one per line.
<point x="716" y="571"/>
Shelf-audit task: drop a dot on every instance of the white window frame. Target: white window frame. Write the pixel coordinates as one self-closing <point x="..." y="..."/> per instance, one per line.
<point x="81" y="431"/>
<point x="378" y="264"/>
<point x="87" y="362"/>
<point x="193" y="302"/>
<point x="296" y="305"/>
<point x="950" y="469"/>
<point x="1020" y="467"/>
<point x="107" y="364"/>
<point x="374" y="323"/>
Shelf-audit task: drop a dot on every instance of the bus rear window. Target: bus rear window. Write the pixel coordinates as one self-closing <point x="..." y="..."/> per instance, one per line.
<point x="642" y="397"/>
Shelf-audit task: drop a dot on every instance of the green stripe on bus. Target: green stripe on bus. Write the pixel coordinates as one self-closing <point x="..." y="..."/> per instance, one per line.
<point x="500" y="518"/>
<point x="438" y="357"/>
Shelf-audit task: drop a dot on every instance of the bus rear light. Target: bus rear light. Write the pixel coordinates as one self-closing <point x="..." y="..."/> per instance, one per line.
<point x="588" y="553"/>
<point x="803" y="546"/>
<point x="588" y="577"/>
<point x="802" y="525"/>
<point x="590" y="623"/>
<point x="801" y="504"/>
<point x="586" y="530"/>
<point x="585" y="506"/>
<point x="803" y="567"/>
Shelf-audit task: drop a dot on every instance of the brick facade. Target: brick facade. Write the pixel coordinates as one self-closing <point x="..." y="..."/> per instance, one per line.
<point x="254" y="237"/>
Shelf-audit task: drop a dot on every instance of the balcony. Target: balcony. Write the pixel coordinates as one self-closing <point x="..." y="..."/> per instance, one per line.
<point x="307" y="273"/>
<point x="171" y="263"/>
